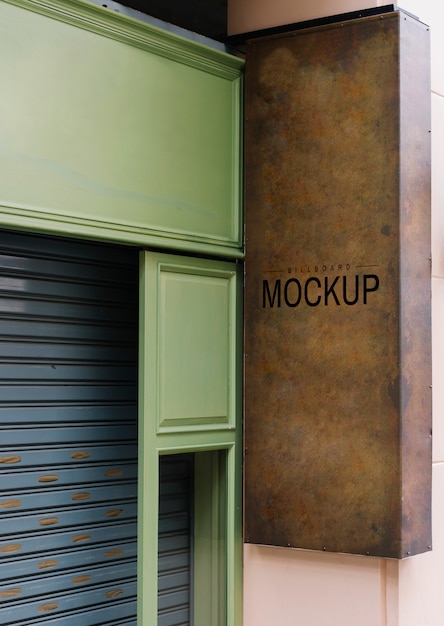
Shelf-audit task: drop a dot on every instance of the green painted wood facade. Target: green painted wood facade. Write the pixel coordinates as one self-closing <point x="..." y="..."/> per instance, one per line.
<point x="111" y="129"/>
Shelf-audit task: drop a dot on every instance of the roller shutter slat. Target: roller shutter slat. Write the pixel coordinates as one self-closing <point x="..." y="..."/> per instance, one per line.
<point x="74" y="291"/>
<point x="44" y="435"/>
<point x="60" y="311"/>
<point x="113" y="614"/>
<point x="54" y="372"/>
<point x="55" y="562"/>
<point x="52" y="265"/>
<point x="41" y="351"/>
<point x="38" y="330"/>
<point x="18" y="546"/>
<point x="78" y="455"/>
<point x="63" y="497"/>
<point x="53" y="518"/>
<point x="66" y="393"/>
<point x="65" y="414"/>
<point x="55" y="605"/>
<point x="14" y="595"/>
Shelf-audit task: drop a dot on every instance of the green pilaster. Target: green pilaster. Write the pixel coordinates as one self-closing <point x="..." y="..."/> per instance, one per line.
<point x="218" y="511"/>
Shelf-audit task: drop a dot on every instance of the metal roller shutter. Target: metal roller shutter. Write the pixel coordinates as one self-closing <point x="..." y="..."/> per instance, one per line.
<point x="68" y="432"/>
<point x="175" y="533"/>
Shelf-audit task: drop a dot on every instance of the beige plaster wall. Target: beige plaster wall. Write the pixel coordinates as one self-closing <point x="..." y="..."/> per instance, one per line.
<point x="300" y="588"/>
<point x="248" y="15"/>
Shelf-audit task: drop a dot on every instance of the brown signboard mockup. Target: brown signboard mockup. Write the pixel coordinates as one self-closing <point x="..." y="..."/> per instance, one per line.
<point x="337" y="300"/>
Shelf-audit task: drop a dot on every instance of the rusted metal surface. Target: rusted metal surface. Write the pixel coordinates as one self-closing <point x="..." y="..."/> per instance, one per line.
<point x="337" y="304"/>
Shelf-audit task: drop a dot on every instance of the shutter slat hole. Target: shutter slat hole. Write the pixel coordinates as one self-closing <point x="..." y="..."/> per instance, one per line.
<point x="10" y="460"/>
<point x="50" y="606"/>
<point x="111" y="554"/>
<point x="49" y="478"/>
<point x="10" y="593"/>
<point x="80" y="455"/>
<point x="48" y="521"/>
<point x="113" y="473"/>
<point x="77" y="497"/>
<point x="10" y="504"/>
<point x="48" y="564"/>
<point x="82" y="537"/>
<point x="79" y="580"/>
<point x="12" y="547"/>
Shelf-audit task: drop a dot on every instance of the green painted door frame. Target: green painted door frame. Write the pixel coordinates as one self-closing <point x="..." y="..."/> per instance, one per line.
<point x="175" y="290"/>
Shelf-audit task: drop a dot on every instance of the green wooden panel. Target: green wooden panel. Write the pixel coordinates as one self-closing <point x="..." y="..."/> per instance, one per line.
<point x="195" y="341"/>
<point x="194" y="346"/>
<point x="112" y="127"/>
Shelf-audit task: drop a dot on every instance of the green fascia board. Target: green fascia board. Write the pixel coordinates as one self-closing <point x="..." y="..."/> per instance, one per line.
<point x="118" y="130"/>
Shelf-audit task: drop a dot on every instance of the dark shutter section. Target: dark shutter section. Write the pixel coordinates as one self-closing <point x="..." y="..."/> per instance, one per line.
<point x="68" y="432"/>
<point x="175" y="532"/>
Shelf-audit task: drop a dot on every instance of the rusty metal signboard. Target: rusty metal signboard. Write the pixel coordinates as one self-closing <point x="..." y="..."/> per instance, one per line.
<point x="337" y="301"/>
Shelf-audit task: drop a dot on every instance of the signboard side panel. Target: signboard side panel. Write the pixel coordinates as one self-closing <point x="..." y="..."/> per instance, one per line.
<point x="415" y="267"/>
